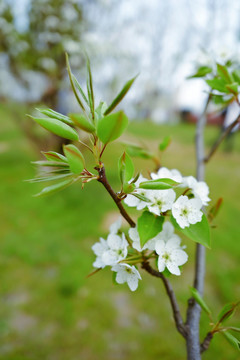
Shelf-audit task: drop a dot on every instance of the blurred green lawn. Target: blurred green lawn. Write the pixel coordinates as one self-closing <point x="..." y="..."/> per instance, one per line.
<point x="50" y="310"/>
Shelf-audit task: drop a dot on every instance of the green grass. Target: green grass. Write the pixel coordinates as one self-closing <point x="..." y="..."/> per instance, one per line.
<point x="50" y="310"/>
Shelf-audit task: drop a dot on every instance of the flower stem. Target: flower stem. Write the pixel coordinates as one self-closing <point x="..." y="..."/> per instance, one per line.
<point x="103" y="179"/>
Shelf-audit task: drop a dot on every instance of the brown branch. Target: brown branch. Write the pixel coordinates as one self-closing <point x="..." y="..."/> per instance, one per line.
<point x="206" y="342"/>
<point x="168" y="287"/>
<point x="103" y="180"/>
<point x="221" y="138"/>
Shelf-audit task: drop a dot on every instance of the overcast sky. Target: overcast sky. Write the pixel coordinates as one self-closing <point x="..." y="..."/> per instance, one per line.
<point x="160" y="39"/>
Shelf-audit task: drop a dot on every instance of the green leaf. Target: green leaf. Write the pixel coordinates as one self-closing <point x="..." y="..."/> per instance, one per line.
<point x="128" y="188"/>
<point x="227" y="312"/>
<point x="57" y="127"/>
<point x="125" y="168"/>
<point x="120" y="96"/>
<point x="75" y="158"/>
<point x="218" y="99"/>
<point x="158" y="184"/>
<point x="50" y="163"/>
<point x="201" y="72"/>
<point x="49" y="190"/>
<point x="233" y="88"/>
<point x="137" y="151"/>
<point x="54" y="156"/>
<point x="141" y="197"/>
<point x="112" y="126"/>
<point x="82" y="122"/>
<point x="215" y="209"/>
<point x="50" y="178"/>
<point x="224" y="74"/>
<point x="148" y="226"/>
<point x="199" y="232"/>
<point x="232" y="340"/>
<point x="56" y="115"/>
<point x="90" y="88"/>
<point x="233" y="328"/>
<point x="165" y="143"/>
<point x="135" y="178"/>
<point x="200" y="301"/>
<point x="236" y="76"/>
<point x="217" y="84"/>
<point x="77" y="85"/>
<point x="224" y="99"/>
<point x="72" y="84"/>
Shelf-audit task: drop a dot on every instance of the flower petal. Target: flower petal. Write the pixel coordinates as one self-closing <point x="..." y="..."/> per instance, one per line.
<point x="173" y="268"/>
<point x="160" y="247"/>
<point x="173" y="243"/>
<point x="132" y="281"/>
<point x="116" y="226"/>
<point x="161" y="264"/>
<point x="179" y="257"/>
<point x="114" y="241"/>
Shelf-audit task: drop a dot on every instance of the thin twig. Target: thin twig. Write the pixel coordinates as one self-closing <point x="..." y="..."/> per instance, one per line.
<point x="104" y="147"/>
<point x="206" y="342"/>
<point x="168" y="287"/>
<point x="103" y="179"/>
<point x="221" y="138"/>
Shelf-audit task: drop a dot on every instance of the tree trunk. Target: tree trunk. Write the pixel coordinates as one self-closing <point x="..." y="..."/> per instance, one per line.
<point x="194" y="310"/>
<point x="192" y="339"/>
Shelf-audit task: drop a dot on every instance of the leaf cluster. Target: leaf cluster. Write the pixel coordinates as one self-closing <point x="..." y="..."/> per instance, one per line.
<point x="223" y="316"/>
<point x="100" y="123"/>
<point x="224" y="82"/>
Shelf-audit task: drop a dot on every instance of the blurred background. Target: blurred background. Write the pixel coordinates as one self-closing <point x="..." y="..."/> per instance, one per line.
<point x="49" y="309"/>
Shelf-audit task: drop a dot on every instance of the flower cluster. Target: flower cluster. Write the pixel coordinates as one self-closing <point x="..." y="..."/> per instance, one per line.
<point x="186" y="209"/>
<point x="124" y="252"/>
<point x="118" y="253"/>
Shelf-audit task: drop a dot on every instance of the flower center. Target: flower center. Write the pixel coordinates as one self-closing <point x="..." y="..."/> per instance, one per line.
<point x="166" y="256"/>
<point x="184" y="212"/>
<point x="128" y="270"/>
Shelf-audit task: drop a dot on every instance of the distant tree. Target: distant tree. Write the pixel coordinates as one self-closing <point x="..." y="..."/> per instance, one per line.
<point x="50" y="34"/>
<point x="42" y="45"/>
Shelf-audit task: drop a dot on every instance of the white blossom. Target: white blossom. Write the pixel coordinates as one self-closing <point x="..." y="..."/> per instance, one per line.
<point x="133" y="201"/>
<point x="171" y="255"/>
<point x="116" y="226"/>
<point x="117" y="249"/>
<point x="199" y="188"/>
<point x="163" y="172"/>
<point x="167" y="233"/>
<point x="112" y="250"/>
<point x="187" y="212"/>
<point x="127" y="273"/>
<point x="99" y="248"/>
<point x="161" y="200"/>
